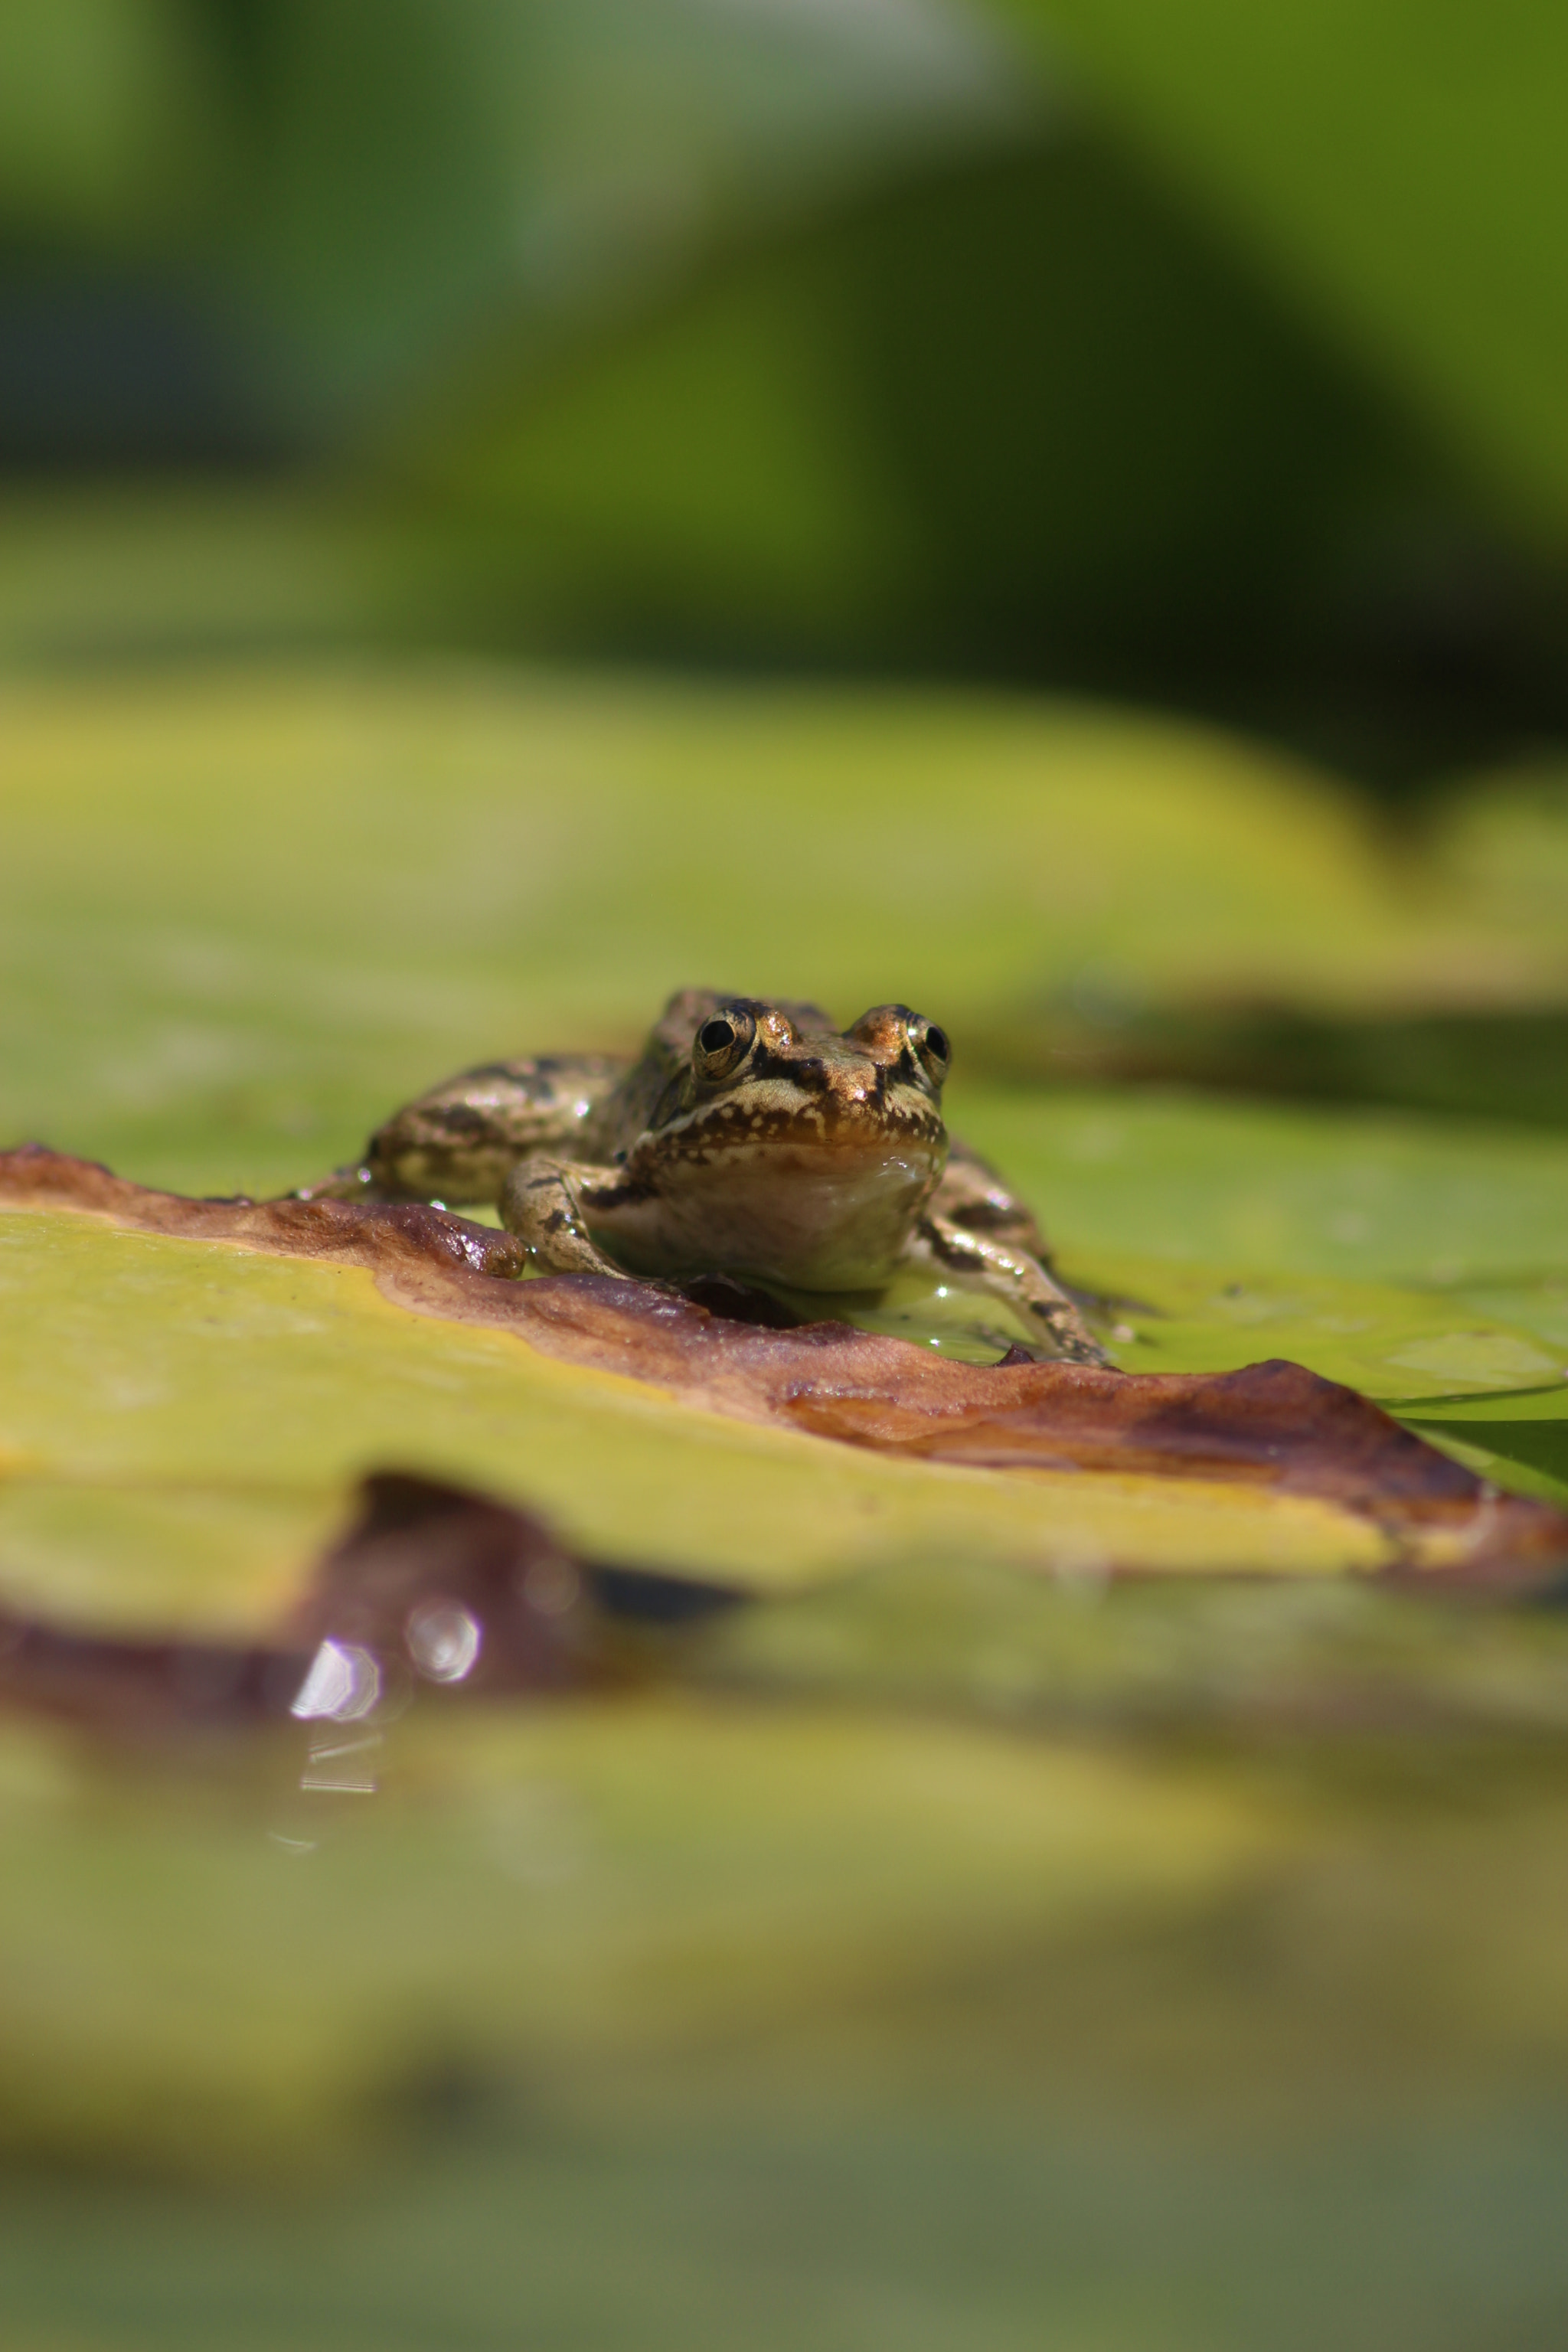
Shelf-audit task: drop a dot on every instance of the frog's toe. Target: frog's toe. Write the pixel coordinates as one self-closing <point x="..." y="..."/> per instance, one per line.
<point x="1071" y="1340"/>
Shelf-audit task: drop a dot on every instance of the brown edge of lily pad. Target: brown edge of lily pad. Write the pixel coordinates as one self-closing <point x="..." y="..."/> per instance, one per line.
<point x="1273" y="1425"/>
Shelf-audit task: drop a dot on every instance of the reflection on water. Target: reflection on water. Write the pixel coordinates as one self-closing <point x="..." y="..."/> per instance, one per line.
<point x="343" y="1767"/>
<point x="344" y="1682"/>
<point x="433" y="1589"/>
<point x="444" y="1641"/>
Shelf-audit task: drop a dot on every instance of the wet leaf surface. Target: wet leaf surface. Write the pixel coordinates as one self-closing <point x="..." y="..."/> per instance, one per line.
<point x="1275" y="1428"/>
<point x="157" y="1385"/>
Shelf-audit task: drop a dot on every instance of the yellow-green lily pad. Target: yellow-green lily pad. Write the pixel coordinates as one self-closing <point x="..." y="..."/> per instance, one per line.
<point x="183" y="1421"/>
<point x="494" y="863"/>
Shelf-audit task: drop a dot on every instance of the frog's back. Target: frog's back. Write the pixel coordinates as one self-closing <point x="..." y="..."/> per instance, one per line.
<point x="458" y="1143"/>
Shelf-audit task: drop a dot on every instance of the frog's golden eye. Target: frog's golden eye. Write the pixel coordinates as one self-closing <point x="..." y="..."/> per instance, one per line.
<point x="930" y="1044"/>
<point x="722" y="1043"/>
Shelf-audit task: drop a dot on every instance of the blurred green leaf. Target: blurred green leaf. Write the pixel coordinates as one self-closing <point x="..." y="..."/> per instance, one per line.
<point x="433" y="168"/>
<point x="1401" y="167"/>
<point x="336" y="196"/>
<point x="104" y="119"/>
<point x="800" y="334"/>
<point x="244" y="914"/>
<point x="568" y="1896"/>
<point x="1022" y="415"/>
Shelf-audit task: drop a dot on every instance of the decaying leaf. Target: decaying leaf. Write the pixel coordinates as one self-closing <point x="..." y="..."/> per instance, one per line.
<point x="184" y="1422"/>
<point x="1271" y="1426"/>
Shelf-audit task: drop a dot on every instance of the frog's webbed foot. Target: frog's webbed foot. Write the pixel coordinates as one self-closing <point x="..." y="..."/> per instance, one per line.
<point x="1010" y="1272"/>
<point x="542" y="1203"/>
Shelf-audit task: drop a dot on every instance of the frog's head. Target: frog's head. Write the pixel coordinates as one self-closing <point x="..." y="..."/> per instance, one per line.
<point x="785" y="1148"/>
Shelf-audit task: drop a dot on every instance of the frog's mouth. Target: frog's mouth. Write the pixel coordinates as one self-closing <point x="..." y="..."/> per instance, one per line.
<point x="811" y="1214"/>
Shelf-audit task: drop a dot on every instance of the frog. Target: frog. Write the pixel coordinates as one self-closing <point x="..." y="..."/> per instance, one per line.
<point x="750" y="1139"/>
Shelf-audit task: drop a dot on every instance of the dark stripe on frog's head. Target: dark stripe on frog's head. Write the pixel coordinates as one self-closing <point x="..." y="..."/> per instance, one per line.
<point x="807" y="1071"/>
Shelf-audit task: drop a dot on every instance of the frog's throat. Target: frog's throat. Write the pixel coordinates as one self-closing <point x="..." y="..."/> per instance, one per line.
<point x="812" y="1214"/>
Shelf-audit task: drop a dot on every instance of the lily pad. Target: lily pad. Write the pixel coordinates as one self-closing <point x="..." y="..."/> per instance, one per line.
<point x="159" y="1386"/>
<point x="156" y="1381"/>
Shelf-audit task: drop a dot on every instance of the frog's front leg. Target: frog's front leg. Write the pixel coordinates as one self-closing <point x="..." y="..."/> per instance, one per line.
<point x="547" y="1204"/>
<point x="458" y="1143"/>
<point x="974" y="1228"/>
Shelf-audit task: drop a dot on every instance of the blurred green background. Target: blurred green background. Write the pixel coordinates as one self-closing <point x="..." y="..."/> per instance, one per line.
<point x="1158" y="351"/>
<point x="1057" y="510"/>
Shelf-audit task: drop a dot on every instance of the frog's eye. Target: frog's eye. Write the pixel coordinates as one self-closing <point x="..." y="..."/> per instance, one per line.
<point x="722" y="1043"/>
<point x="930" y="1044"/>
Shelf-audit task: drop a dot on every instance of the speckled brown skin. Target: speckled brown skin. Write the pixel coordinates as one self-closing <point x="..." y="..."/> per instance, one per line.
<point x="749" y="1138"/>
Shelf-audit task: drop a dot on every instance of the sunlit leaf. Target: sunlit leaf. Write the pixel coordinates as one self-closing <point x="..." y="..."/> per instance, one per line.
<point x="154" y="1387"/>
